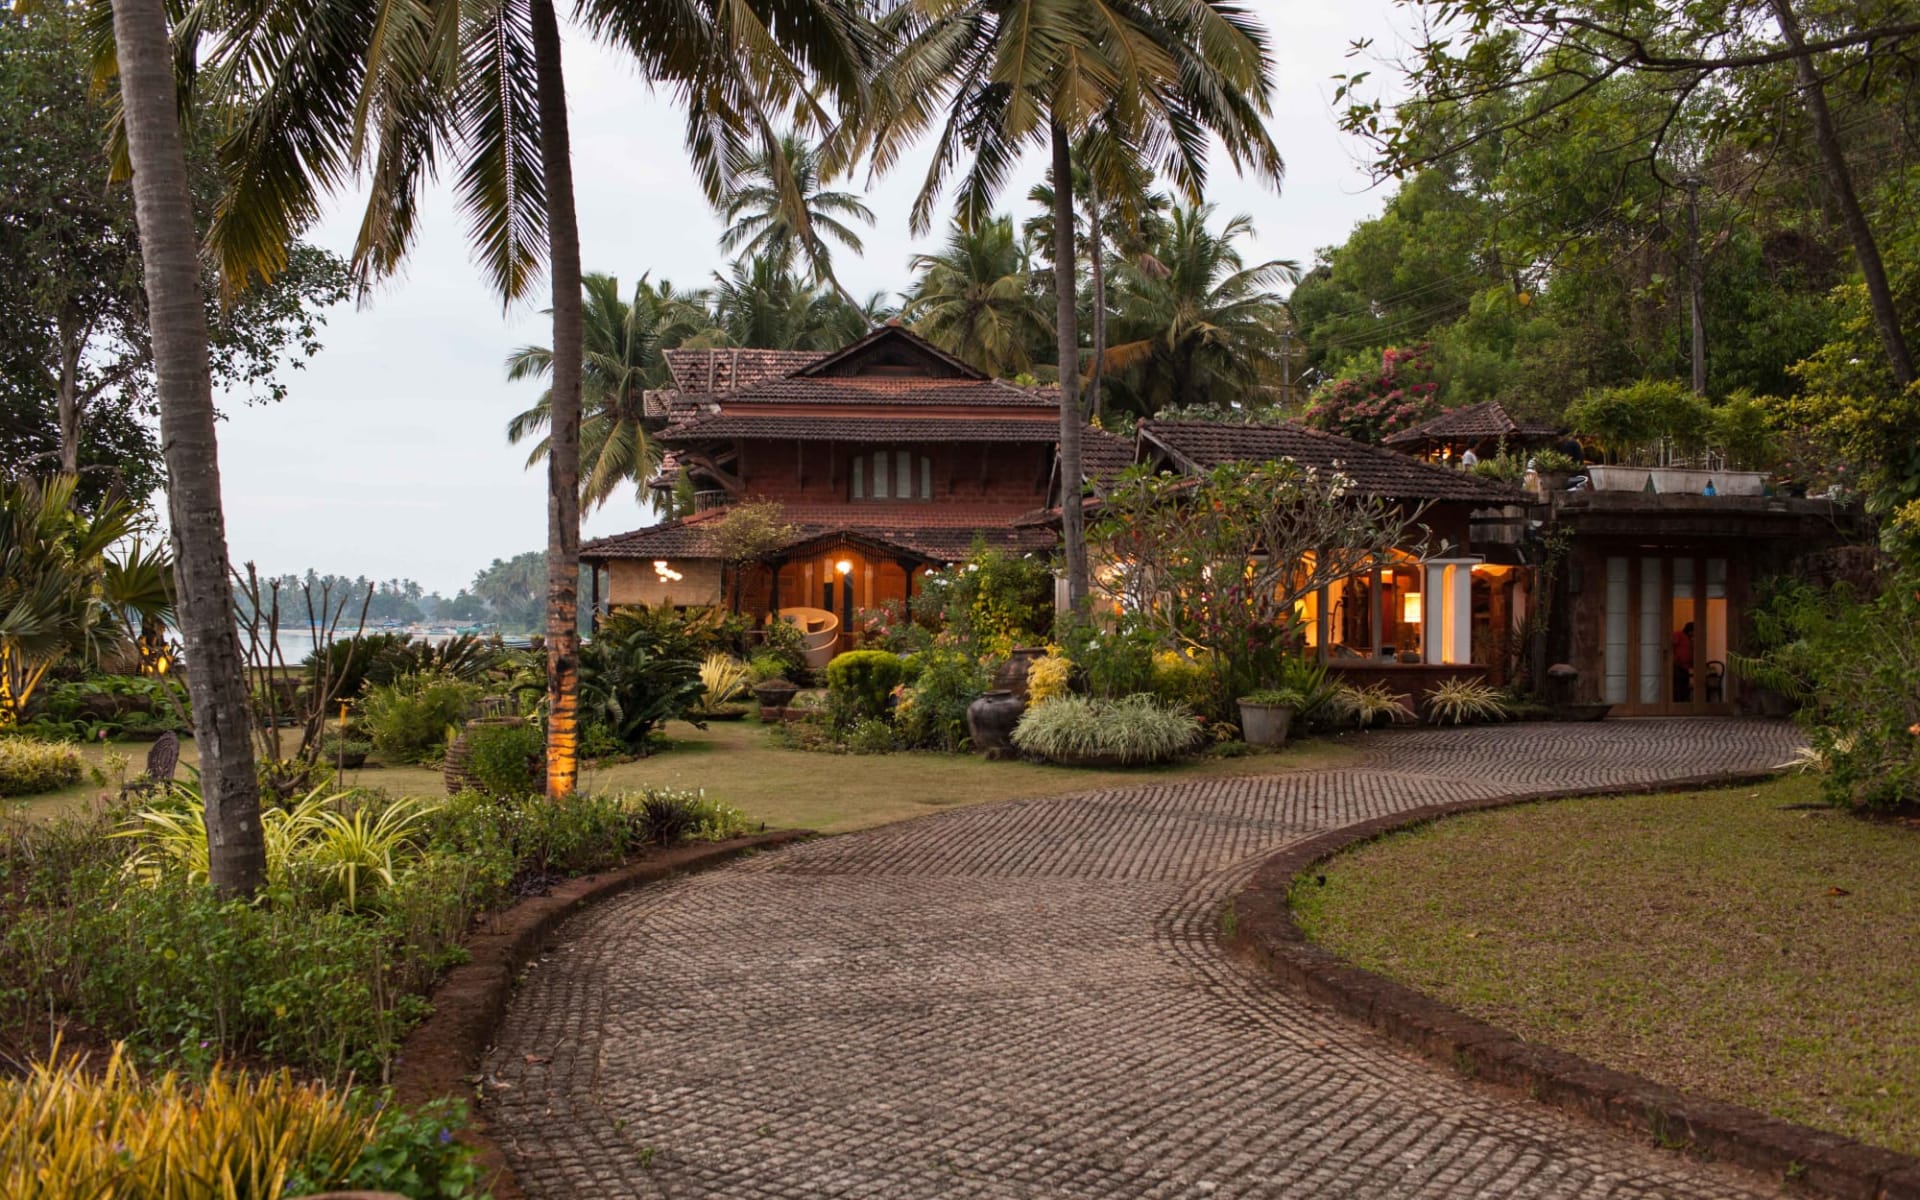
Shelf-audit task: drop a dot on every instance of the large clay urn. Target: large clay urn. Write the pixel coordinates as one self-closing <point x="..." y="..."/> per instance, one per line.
<point x="990" y="722"/>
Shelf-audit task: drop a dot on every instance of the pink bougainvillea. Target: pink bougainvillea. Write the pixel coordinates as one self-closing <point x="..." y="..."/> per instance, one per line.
<point x="1400" y="395"/>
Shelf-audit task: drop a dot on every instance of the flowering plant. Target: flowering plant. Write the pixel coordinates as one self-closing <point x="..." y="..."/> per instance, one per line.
<point x="1399" y="396"/>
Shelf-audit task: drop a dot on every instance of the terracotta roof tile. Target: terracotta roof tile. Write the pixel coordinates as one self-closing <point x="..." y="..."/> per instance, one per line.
<point x="1202" y="445"/>
<point x="841" y="427"/>
<point x="1104" y="455"/>
<point x="1487" y="420"/>
<point x="894" y="390"/>
<point x="941" y="539"/>
<point x="731" y="367"/>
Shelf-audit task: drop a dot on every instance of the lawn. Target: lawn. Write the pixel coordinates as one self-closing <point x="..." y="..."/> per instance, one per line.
<point x="1745" y="945"/>
<point x="737" y="763"/>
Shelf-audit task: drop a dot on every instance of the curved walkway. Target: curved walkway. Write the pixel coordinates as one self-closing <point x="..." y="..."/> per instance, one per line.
<point x="1028" y="999"/>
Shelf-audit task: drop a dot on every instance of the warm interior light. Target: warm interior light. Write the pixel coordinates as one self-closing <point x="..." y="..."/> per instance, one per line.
<point x="1410" y="608"/>
<point x="844" y="566"/>
<point x="1386" y="574"/>
<point x="666" y="573"/>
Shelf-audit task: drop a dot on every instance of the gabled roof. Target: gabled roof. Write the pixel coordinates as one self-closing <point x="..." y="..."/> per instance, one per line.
<point x="891" y="349"/>
<point x="904" y="390"/>
<point x="831" y="427"/>
<point x="1104" y="455"/>
<point x="1204" y="445"/>
<point x="731" y="367"/>
<point x="1486" y="421"/>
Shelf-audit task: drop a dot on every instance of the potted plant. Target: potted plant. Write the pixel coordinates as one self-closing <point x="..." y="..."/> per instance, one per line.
<point x="1551" y="470"/>
<point x="775" y="693"/>
<point x="1267" y="715"/>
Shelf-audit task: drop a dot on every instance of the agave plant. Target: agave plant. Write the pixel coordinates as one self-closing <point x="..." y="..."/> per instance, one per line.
<point x="1372" y="704"/>
<point x="1457" y="701"/>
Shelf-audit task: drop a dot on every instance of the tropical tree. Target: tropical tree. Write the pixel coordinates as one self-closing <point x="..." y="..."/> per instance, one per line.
<point x="624" y="338"/>
<point x="979" y="298"/>
<point x="1198" y="324"/>
<point x="760" y="302"/>
<point x="341" y="89"/>
<point x="769" y="220"/>
<point x="1133" y="80"/>
<point x="177" y="317"/>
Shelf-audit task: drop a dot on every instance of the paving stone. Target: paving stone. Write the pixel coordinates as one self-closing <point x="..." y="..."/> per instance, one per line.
<point x="1030" y="999"/>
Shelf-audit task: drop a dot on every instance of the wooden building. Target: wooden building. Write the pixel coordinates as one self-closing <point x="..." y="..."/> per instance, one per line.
<point x="1487" y="429"/>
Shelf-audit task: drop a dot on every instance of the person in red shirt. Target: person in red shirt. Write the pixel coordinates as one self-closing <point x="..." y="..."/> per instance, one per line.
<point x="1683" y="664"/>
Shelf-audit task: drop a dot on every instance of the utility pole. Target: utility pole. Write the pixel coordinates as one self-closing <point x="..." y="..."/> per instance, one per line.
<point x="1696" y="283"/>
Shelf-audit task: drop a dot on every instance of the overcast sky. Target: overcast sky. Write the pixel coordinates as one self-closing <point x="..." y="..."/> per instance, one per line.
<point x="388" y="457"/>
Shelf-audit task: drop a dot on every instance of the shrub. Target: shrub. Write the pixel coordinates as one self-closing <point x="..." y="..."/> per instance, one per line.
<point x="1133" y="731"/>
<point x="642" y="670"/>
<point x="1117" y="662"/>
<point x="1553" y="461"/>
<point x="1369" y="705"/>
<point x="507" y="760"/>
<point x="28" y="766"/>
<point x="1177" y="679"/>
<point x="409" y="717"/>
<point x="722" y="678"/>
<point x="1457" y="701"/>
<point x="763" y="667"/>
<point x="1279" y="697"/>
<point x="1049" y="678"/>
<point x="871" y="736"/>
<point x="75" y="1133"/>
<point x="932" y="713"/>
<point x="665" y="816"/>
<point x="863" y="680"/>
<point x="994" y="599"/>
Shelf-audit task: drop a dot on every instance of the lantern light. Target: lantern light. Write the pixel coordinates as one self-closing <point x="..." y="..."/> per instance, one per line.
<point x="844" y="566"/>
<point x="1410" y="608"/>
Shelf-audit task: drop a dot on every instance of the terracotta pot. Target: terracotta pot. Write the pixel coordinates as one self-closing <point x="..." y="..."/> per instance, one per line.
<point x="1265" y="724"/>
<point x="990" y="722"/>
<point x="1012" y="675"/>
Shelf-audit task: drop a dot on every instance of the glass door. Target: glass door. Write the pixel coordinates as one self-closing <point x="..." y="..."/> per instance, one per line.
<point x="1666" y="627"/>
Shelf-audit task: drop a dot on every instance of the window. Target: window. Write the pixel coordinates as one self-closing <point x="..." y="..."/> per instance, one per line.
<point x="892" y="475"/>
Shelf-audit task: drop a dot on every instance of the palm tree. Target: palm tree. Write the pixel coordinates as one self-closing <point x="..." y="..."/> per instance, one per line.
<point x="977" y="298"/>
<point x="340" y="88"/>
<point x="177" y="316"/>
<point x="1197" y="325"/>
<point x="1131" y="80"/>
<point x="623" y="360"/>
<point x="760" y="303"/>
<point x="764" y="222"/>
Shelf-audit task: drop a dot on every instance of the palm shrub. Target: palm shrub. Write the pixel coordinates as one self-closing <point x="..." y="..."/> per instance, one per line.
<point x="1134" y="730"/>
<point x="639" y="672"/>
<point x="1458" y="700"/>
<point x="409" y="718"/>
<point x="29" y="766"/>
<point x="862" y="681"/>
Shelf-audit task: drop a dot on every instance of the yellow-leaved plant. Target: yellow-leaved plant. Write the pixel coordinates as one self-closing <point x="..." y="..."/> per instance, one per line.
<point x="1048" y="678"/>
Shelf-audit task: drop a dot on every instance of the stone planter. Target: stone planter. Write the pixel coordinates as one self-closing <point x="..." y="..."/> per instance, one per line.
<point x="990" y="722"/>
<point x="775" y="693"/>
<point x="347" y="761"/>
<point x="1265" y="724"/>
<point x="1546" y="483"/>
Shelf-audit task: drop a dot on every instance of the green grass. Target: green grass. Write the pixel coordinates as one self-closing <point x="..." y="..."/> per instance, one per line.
<point x="1727" y="943"/>
<point x="737" y="763"/>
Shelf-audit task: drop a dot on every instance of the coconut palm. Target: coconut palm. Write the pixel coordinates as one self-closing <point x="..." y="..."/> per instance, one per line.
<point x="760" y="303"/>
<point x="177" y="317"/>
<point x="764" y="221"/>
<point x="1195" y="324"/>
<point x="624" y="339"/>
<point x="360" y="87"/>
<point x="978" y="298"/>
<point x="1130" y="80"/>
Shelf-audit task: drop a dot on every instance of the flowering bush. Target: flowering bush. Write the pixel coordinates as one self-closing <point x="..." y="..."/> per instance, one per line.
<point x="1402" y="394"/>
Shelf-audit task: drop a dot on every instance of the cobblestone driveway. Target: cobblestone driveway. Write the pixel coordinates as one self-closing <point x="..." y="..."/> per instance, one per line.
<point x="1029" y="999"/>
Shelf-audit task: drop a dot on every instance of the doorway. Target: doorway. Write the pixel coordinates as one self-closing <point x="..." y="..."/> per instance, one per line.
<point x="1666" y="635"/>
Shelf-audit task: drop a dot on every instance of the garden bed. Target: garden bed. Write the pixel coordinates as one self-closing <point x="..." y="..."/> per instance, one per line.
<point x="1743" y="945"/>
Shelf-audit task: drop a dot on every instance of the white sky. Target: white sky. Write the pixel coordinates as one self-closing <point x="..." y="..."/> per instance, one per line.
<point x="389" y="457"/>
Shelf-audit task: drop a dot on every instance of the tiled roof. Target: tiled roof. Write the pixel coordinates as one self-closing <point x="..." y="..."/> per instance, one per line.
<point x="1488" y="420"/>
<point x="1104" y="455"/>
<point x="853" y="428"/>
<point x="732" y="367"/>
<point x="858" y="355"/>
<point x="928" y="533"/>
<point x="895" y="390"/>
<point x="1201" y="445"/>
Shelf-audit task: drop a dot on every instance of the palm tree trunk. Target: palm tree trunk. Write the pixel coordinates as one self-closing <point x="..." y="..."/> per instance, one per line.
<point x="170" y="252"/>
<point x="1073" y="529"/>
<point x="1097" y="257"/>
<point x="563" y="448"/>
<point x="1865" y="250"/>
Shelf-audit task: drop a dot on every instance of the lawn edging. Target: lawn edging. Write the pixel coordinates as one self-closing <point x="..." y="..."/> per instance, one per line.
<point x="1263" y="927"/>
<point x="442" y="1056"/>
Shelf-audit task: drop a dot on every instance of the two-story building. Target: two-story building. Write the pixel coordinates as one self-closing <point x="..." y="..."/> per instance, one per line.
<point x="887" y="457"/>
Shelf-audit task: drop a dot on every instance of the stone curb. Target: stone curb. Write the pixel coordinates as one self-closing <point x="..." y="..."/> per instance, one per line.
<point x="1826" y="1163"/>
<point x="442" y="1056"/>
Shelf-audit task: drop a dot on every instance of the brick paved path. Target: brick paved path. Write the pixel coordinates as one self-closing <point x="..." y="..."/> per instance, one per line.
<point x="1029" y="999"/>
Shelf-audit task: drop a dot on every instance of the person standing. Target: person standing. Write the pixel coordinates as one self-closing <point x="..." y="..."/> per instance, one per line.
<point x="1683" y="664"/>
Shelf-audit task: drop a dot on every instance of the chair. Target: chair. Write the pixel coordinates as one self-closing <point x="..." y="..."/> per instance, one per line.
<point x="820" y="630"/>
<point x="1716" y="681"/>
